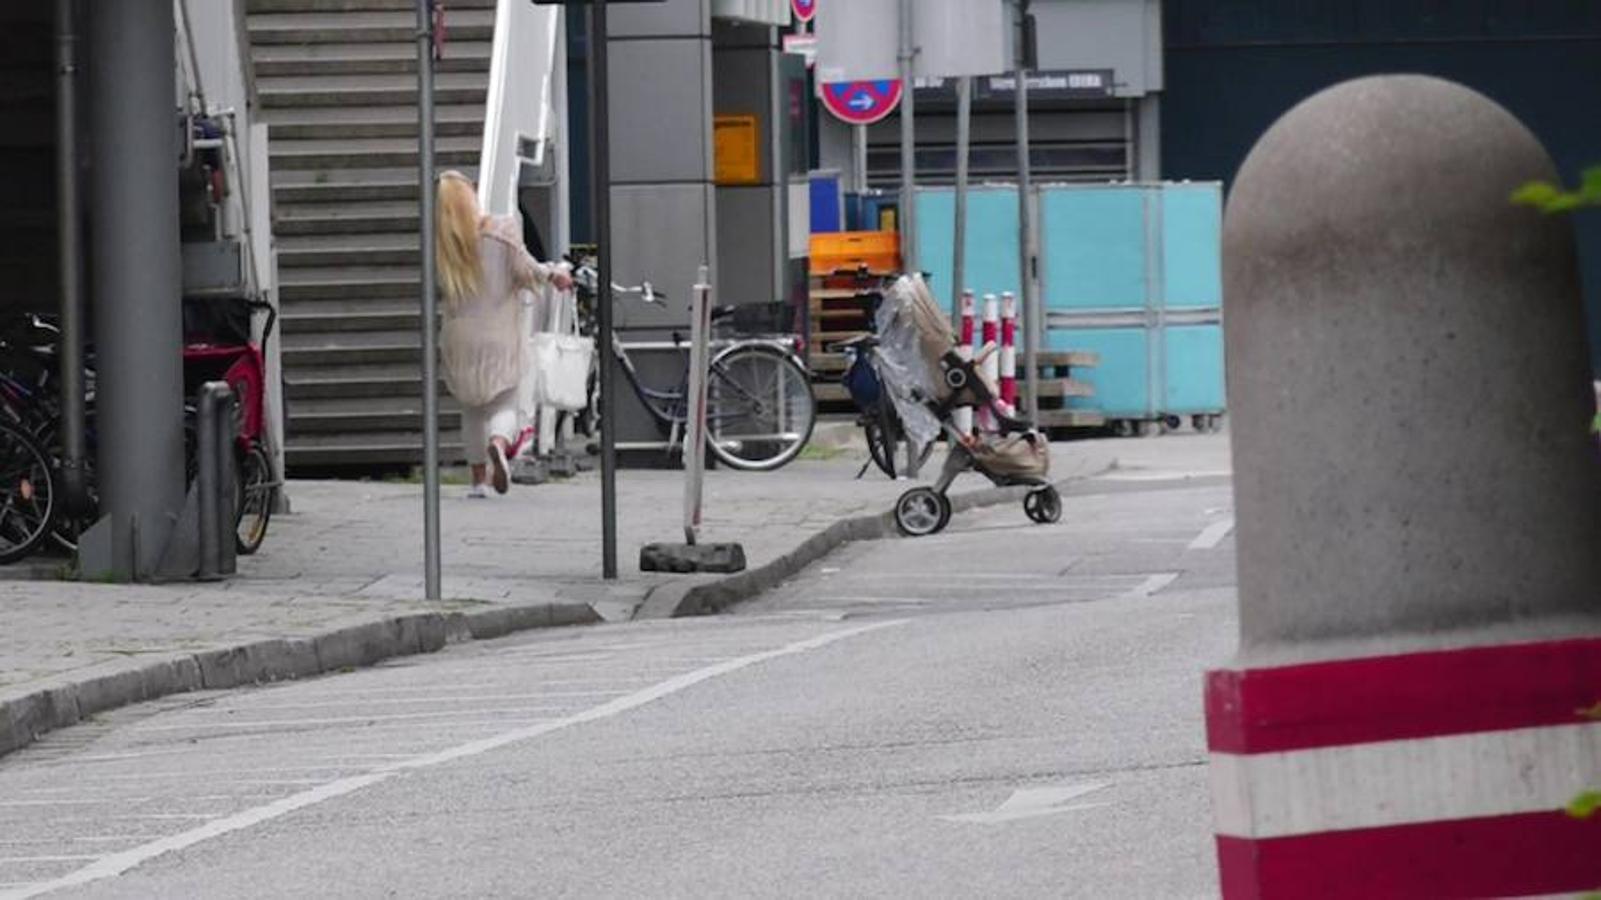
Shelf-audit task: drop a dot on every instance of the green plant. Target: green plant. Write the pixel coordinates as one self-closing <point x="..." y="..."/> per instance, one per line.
<point x="1554" y="198"/>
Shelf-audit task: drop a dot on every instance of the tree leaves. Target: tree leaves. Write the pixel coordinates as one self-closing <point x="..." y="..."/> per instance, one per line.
<point x="1553" y="198"/>
<point x="1585" y="805"/>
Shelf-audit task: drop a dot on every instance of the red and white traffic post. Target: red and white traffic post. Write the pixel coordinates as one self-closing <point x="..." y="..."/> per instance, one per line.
<point x="989" y="359"/>
<point x="1415" y="698"/>
<point x="1009" y="352"/>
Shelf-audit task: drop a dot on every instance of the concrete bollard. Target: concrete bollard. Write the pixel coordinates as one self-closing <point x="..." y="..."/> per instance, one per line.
<point x="1418" y="506"/>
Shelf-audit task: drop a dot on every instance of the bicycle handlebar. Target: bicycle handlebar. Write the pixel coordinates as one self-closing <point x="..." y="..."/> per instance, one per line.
<point x="587" y="277"/>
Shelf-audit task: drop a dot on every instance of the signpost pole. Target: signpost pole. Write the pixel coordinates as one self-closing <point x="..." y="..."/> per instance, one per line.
<point x="964" y="128"/>
<point x="1028" y="286"/>
<point x="430" y="320"/>
<point x="908" y="200"/>
<point x="600" y="131"/>
<point x="695" y="422"/>
<point x="859" y="159"/>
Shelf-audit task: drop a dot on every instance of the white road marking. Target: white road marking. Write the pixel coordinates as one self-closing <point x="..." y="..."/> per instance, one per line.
<point x="1152" y="584"/>
<point x="39" y="859"/>
<point x="1029" y="803"/>
<point x="442" y="698"/>
<point x="346" y="720"/>
<point x="1212" y="535"/>
<point x="98" y="802"/>
<point x="118" y="863"/>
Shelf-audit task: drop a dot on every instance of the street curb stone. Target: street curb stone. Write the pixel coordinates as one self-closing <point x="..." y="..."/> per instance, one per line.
<point x="23" y="719"/>
<point x="709" y="596"/>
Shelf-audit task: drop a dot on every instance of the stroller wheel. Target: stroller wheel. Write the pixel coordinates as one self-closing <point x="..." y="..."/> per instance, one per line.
<point x="1043" y="505"/>
<point x="922" y="511"/>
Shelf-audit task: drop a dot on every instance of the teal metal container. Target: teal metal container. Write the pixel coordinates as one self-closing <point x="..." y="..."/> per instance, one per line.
<point x="1129" y="271"/>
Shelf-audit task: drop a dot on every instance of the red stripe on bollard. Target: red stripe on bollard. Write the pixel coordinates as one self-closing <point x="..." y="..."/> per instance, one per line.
<point x="1009" y="350"/>
<point x="1502" y="856"/>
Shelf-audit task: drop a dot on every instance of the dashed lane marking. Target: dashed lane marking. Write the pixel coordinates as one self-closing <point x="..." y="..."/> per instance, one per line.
<point x="1212" y="535"/>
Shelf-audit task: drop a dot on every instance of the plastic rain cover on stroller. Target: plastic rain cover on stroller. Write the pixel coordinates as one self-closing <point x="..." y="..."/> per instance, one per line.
<point x="912" y="336"/>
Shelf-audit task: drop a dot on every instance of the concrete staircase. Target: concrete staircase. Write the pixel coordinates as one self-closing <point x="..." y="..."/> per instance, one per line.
<point x="28" y="277"/>
<point x="337" y="82"/>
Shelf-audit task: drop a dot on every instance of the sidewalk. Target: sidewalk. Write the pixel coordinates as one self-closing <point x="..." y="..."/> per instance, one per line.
<point x="348" y="563"/>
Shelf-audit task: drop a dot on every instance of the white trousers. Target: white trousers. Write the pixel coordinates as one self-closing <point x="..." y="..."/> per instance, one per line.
<point x="497" y="418"/>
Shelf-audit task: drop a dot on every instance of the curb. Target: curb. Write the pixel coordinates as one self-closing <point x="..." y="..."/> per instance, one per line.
<point x="23" y="719"/>
<point x="709" y="597"/>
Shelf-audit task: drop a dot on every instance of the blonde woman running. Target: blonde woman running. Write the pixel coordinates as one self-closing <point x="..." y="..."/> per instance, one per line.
<point x="482" y="266"/>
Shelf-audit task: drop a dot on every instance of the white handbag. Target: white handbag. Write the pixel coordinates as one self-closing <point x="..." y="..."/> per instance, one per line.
<point x="559" y="361"/>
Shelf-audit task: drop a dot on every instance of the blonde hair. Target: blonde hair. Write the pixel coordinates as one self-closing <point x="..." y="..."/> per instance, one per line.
<point x="461" y="270"/>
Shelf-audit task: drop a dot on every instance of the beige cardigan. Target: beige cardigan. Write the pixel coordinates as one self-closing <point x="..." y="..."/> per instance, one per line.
<point x="481" y="341"/>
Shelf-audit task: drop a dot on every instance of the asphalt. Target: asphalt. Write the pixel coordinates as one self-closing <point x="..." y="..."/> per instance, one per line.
<point x="338" y="583"/>
<point x="853" y="732"/>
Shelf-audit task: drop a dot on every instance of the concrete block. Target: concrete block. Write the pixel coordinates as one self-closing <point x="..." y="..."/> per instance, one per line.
<point x="493" y="623"/>
<point x="563" y="614"/>
<point x="110" y="691"/>
<point x="360" y="645"/>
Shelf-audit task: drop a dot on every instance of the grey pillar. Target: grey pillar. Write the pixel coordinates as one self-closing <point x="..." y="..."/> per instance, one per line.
<point x="137" y="286"/>
<point x="1408" y="373"/>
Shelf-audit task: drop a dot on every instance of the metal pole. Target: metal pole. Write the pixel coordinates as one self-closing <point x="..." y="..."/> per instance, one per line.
<point x="908" y="203"/>
<point x="138" y="286"/>
<point x="599" y="108"/>
<point x="859" y="159"/>
<point x="1033" y="316"/>
<point x="432" y="589"/>
<point x="70" y="242"/>
<point x="695" y="422"/>
<point x="964" y="130"/>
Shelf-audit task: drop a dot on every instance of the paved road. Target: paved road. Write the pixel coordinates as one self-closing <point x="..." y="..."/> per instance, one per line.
<point x="1005" y="710"/>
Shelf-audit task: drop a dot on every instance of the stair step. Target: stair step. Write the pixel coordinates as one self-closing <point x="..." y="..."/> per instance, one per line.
<point x="470" y="88"/>
<point x="352" y="348"/>
<point x="388" y="26"/>
<point x="398" y="58"/>
<point x="367" y="450"/>
<point x="368" y="414"/>
<point x="269" y="6"/>
<point x="330" y="219"/>
<point x="311" y="123"/>
<point x="368" y="152"/>
<point x="392" y="249"/>
<point x="330" y="381"/>
<point x="351" y="315"/>
<point x="307" y="187"/>
<point x="344" y="283"/>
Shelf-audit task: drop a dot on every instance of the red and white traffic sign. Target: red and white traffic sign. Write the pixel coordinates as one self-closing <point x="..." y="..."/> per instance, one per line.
<point x="804" y="9"/>
<point x="862" y="102"/>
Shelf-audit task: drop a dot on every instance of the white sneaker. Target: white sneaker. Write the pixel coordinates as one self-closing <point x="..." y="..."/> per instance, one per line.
<point x="477" y="492"/>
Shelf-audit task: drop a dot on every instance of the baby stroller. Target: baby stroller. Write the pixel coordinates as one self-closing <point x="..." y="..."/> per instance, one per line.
<point x="219" y="346"/>
<point x="927" y="379"/>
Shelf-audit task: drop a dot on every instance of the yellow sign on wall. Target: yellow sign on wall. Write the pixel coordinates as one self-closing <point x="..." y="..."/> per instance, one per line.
<point x="738" y="149"/>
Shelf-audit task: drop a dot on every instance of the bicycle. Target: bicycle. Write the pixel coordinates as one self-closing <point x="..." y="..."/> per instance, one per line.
<point x="760" y="410"/>
<point x="876" y="414"/>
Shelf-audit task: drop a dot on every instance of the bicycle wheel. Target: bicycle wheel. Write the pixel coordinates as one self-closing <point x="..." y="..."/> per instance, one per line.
<point x="253" y="503"/>
<point x="880" y="442"/>
<point x="759" y="407"/>
<point x="27" y="494"/>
